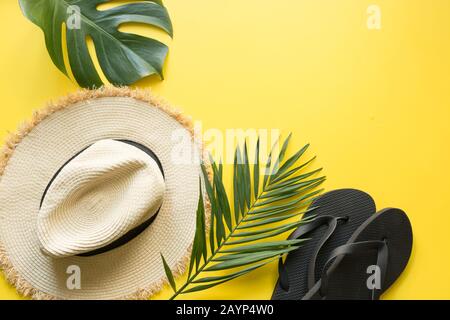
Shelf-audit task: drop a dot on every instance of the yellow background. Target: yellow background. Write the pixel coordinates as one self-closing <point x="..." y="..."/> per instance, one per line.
<point x="374" y="104"/>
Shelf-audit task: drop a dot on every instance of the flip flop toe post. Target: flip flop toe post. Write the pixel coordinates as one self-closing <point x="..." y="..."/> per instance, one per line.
<point x="370" y="262"/>
<point x="338" y="214"/>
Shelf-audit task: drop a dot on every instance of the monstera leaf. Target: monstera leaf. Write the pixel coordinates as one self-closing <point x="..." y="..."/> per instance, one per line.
<point x="124" y="58"/>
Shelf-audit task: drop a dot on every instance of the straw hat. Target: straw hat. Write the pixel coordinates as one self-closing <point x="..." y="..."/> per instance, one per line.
<point x="92" y="191"/>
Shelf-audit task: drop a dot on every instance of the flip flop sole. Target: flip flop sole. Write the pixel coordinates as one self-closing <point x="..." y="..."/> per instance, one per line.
<point x="348" y="276"/>
<point x="358" y="206"/>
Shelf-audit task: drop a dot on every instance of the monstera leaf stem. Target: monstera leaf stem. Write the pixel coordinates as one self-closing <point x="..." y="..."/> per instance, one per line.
<point x="259" y="214"/>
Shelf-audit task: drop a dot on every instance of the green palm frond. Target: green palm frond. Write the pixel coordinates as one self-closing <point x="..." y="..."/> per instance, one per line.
<point x="241" y="239"/>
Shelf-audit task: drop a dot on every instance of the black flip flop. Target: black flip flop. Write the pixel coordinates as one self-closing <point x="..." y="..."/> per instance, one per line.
<point x="338" y="213"/>
<point x="371" y="261"/>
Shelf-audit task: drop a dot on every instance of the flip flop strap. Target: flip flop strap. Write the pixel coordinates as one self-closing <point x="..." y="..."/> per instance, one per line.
<point x="331" y="221"/>
<point x="332" y="225"/>
<point x="354" y="249"/>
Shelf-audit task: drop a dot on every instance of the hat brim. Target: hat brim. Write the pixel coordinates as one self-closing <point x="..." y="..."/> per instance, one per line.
<point x="31" y="157"/>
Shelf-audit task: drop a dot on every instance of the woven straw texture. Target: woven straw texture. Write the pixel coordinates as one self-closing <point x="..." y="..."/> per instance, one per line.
<point x="31" y="157"/>
<point x="100" y="195"/>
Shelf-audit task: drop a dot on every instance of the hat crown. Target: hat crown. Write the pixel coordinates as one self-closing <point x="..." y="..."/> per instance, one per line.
<point x="107" y="190"/>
